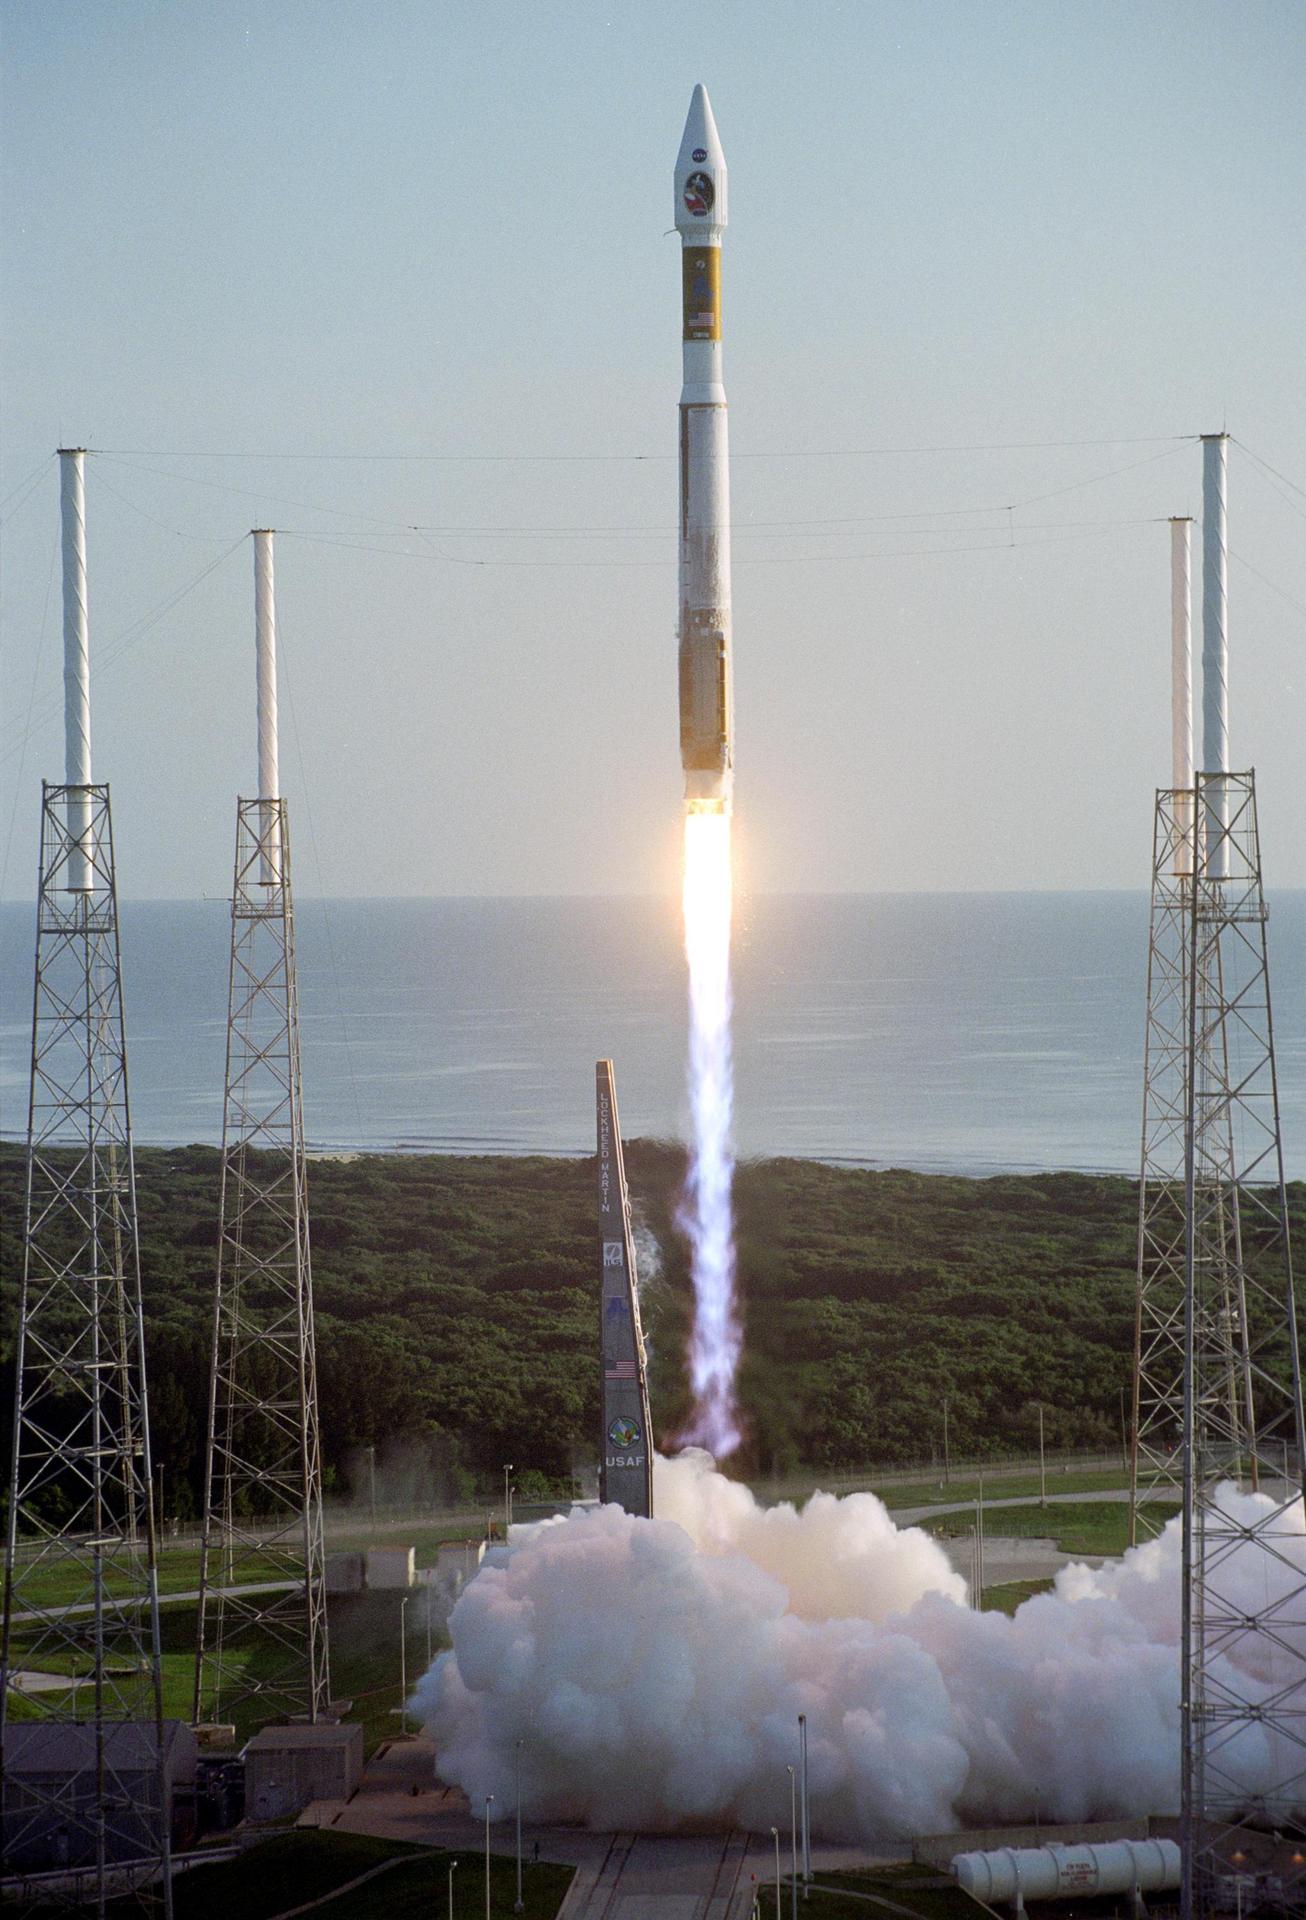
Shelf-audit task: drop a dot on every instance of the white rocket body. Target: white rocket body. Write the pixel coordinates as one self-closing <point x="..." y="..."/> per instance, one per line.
<point x="706" y="696"/>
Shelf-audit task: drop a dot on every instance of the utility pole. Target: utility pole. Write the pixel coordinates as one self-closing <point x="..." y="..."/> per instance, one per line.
<point x="519" y="1903"/>
<point x="489" y="1802"/>
<point x="807" y="1812"/>
<point x="1042" y="1468"/>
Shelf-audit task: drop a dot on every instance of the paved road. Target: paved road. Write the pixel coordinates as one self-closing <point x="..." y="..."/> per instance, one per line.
<point x="908" y="1516"/>
<point x="621" y="1876"/>
<point x="165" y="1600"/>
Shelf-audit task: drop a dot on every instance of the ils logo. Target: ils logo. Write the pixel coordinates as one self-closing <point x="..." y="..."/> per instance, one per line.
<point x="624" y="1433"/>
<point x="613" y="1253"/>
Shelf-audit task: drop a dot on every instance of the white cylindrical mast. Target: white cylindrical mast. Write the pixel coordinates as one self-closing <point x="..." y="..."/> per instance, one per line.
<point x="265" y="647"/>
<point x="1215" y="639"/>
<point x="1181" y="686"/>
<point x="76" y="666"/>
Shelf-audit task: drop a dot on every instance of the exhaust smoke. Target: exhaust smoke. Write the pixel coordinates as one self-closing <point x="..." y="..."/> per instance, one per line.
<point x="654" y="1671"/>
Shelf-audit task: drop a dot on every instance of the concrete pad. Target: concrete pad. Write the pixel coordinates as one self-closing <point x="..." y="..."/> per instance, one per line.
<point x="656" y="1906"/>
<point x="321" y="1813"/>
<point x="1008" y="1557"/>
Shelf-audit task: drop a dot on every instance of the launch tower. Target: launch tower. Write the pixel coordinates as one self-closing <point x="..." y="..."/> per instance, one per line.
<point x="263" y="1481"/>
<point x="83" y="1789"/>
<point x="626" y="1437"/>
<point x="1218" y="1412"/>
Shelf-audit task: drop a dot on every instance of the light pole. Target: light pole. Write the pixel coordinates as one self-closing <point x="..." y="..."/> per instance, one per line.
<point x="403" y="1665"/>
<point x="371" y="1483"/>
<point x="775" y="1835"/>
<point x="517" y="1789"/>
<point x="452" y="1865"/>
<point x="489" y="1802"/>
<point x="807" y="1812"/>
<point x="793" y="1843"/>
<point x="1124" y="1432"/>
<point x="947" y="1468"/>
<point x="1042" y="1470"/>
<point x="507" y="1500"/>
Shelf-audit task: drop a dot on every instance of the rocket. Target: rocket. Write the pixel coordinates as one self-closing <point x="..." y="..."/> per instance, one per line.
<point x="706" y="696"/>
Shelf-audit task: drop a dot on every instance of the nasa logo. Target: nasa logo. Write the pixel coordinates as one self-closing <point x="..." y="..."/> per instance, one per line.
<point x="700" y="153"/>
<point x="699" y="194"/>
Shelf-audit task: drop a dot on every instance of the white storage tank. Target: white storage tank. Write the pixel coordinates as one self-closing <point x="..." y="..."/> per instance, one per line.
<point x="1018" y="1874"/>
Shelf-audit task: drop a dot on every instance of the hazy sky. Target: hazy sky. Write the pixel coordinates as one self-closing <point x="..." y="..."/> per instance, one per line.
<point x="242" y="239"/>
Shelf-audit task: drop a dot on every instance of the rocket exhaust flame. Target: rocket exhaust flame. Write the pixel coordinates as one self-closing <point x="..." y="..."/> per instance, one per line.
<point x="706" y="1214"/>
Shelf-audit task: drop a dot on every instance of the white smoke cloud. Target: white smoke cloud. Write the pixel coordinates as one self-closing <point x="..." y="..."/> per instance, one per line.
<point x="654" y="1671"/>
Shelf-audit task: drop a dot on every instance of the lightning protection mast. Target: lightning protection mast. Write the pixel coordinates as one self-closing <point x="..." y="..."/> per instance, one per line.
<point x="263" y="1654"/>
<point x="1218" y="1379"/>
<point x="85" y="1805"/>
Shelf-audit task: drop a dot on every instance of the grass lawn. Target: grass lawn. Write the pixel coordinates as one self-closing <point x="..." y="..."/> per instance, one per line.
<point x="835" y="1896"/>
<point x="1009" y="1486"/>
<point x="363" y="1631"/>
<point x="293" y="1868"/>
<point x="61" y="1585"/>
<point x="1010" y="1594"/>
<point x="1096" y="1527"/>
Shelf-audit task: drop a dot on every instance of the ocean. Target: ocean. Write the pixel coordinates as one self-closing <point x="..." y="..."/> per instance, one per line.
<point x="968" y="1033"/>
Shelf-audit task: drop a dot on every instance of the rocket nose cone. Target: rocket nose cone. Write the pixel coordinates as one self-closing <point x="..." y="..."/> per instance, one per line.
<point x="700" y="168"/>
<point x="700" y="125"/>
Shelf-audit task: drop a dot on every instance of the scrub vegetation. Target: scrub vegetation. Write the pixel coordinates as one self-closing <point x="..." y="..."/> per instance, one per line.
<point x="457" y="1321"/>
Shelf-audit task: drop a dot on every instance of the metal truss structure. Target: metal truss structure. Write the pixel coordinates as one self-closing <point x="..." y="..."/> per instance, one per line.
<point x="1218" y="1412"/>
<point x="83" y="1784"/>
<point x="264" y="1650"/>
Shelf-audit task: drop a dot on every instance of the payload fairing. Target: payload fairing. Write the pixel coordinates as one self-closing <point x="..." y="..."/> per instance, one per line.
<point x="705" y="669"/>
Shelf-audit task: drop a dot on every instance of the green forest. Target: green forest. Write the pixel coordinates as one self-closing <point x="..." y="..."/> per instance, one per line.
<point x="456" y="1312"/>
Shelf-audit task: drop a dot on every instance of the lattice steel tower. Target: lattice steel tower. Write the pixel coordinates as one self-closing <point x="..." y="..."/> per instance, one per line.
<point x="263" y="1653"/>
<point x="1218" y="1376"/>
<point x="83" y="1787"/>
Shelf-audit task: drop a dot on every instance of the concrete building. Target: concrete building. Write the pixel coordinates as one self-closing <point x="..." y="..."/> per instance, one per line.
<point x="286" y="1767"/>
<point x="391" y="1568"/>
<point x="344" y="1573"/>
<point x="455" y="1563"/>
<point x="50" y="1791"/>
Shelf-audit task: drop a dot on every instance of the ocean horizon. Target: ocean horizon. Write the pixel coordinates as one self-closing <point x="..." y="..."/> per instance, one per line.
<point x="972" y="1033"/>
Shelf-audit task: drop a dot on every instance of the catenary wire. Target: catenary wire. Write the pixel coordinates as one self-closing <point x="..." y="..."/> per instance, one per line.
<point x="796" y="453"/>
<point x="48" y="705"/>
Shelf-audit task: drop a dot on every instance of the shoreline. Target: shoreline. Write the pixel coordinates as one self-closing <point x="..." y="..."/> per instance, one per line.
<point x="345" y="1153"/>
